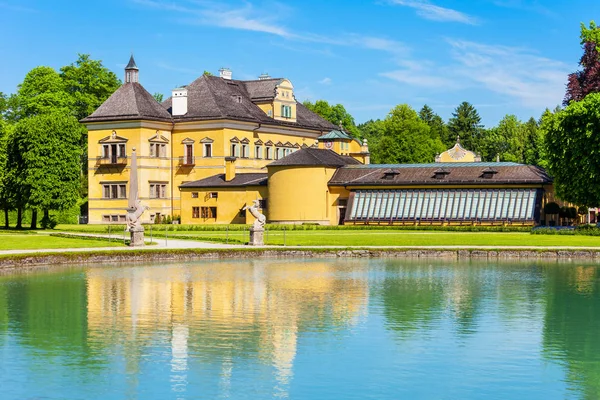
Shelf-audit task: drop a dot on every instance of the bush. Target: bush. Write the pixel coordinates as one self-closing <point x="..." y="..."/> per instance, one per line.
<point x="48" y="222"/>
<point x="552" y="208"/>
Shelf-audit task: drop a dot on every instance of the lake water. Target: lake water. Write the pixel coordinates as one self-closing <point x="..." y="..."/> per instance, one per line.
<point x="302" y="329"/>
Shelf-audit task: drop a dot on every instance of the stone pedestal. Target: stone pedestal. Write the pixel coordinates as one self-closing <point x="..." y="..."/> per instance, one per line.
<point x="257" y="237"/>
<point x="137" y="237"/>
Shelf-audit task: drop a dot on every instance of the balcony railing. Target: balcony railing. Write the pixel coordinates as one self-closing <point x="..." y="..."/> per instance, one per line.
<point x="187" y="161"/>
<point x="112" y="160"/>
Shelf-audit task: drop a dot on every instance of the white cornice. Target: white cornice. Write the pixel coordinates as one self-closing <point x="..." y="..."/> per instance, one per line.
<point x="98" y="126"/>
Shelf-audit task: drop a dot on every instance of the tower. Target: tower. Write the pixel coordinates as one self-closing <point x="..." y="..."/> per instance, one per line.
<point x="131" y="72"/>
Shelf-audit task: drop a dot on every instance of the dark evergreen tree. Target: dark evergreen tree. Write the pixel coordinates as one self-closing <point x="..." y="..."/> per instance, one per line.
<point x="466" y="123"/>
<point x="438" y="128"/>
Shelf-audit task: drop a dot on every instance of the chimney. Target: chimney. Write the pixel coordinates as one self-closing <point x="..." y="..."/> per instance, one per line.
<point x="264" y="76"/>
<point x="229" y="168"/>
<point x="225" y="73"/>
<point x="179" y="104"/>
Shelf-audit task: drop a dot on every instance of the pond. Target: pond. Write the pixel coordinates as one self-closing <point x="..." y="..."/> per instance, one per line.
<point x="302" y="329"/>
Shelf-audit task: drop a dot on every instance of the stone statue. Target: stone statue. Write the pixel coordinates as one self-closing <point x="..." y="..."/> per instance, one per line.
<point x="260" y="218"/>
<point x="258" y="228"/>
<point x="134" y="216"/>
<point x="136" y="208"/>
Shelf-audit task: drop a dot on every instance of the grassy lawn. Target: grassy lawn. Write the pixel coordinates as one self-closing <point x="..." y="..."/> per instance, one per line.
<point x="362" y="237"/>
<point x="31" y="242"/>
<point x="395" y="238"/>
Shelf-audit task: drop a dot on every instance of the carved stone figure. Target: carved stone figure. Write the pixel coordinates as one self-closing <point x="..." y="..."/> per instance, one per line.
<point x="257" y="230"/>
<point x="260" y="218"/>
<point x="136" y="208"/>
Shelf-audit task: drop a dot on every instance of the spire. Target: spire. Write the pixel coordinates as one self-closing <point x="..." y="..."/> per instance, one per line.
<point x="131" y="71"/>
<point x="131" y="64"/>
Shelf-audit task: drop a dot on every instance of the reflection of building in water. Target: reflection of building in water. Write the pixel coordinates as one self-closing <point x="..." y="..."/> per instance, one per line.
<point x="227" y="306"/>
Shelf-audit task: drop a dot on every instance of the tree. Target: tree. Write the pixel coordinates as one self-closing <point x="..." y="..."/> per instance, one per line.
<point x="438" y="128"/>
<point x="4" y="192"/>
<point x="47" y="154"/>
<point x="505" y="141"/>
<point x="406" y="139"/>
<point x="533" y="148"/>
<point x="466" y="123"/>
<point x="42" y="91"/>
<point x="207" y="73"/>
<point x="158" y="97"/>
<point x="586" y="81"/>
<point x="573" y="144"/>
<point x="552" y="208"/>
<point x="336" y="114"/>
<point x="88" y="83"/>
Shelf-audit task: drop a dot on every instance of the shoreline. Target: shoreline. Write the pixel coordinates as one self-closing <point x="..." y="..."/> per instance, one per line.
<point x="31" y="260"/>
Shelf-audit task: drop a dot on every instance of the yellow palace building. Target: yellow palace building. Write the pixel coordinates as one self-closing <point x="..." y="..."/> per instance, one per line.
<point x="218" y="144"/>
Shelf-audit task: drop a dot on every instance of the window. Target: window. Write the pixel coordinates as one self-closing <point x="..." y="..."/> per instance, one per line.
<point x="269" y="153"/>
<point x="196" y="212"/>
<point x="114" y="191"/>
<point x="208" y="212"/>
<point x="158" y="150"/>
<point x="114" y="218"/>
<point x="245" y="151"/>
<point x="158" y="190"/>
<point x="194" y="195"/>
<point x="262" y="204"/>
<point x="235" y="150"/>
<point x="286" y="111"/>
<point x="207" y="150"/>
<point x="258" y="152"/>
<point x="213" y="195"/>
<point x="113" y="151"/>
<point x="188" y="158"/>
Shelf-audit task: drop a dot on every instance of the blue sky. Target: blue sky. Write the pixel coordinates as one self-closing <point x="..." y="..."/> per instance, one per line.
<point x="504" y="56"/>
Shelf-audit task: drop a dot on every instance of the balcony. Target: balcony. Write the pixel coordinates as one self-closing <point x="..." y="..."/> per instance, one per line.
<point x="187" y="161"/>
<point x="112" y="160"/>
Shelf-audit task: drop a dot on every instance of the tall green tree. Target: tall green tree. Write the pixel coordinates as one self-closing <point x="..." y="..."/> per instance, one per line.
<point x="89" y="83"/>
<point x="4" y="192"/>
<point x="336" y="114"/>
<point x="466" y="123"/>
<point x="437" y="126"/>
<point x="48" y="148"/>
<point x="572" y="141"/>
<point x="42" y="91"/>
<point x="505" y="141"/>
<point x="533" y="150"/>
<point x="406" y="139"/>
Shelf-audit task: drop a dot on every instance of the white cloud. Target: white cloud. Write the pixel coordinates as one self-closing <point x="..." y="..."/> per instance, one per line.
<point x="326" y="81"/>
<point x="516" y="72"/>
<point x="251" y="18"/>
<point x="218" y="14"/>
<point x="432" y="12"/>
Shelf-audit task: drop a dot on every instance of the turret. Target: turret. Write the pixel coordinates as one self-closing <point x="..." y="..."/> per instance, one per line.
<point x="132" y="72"/>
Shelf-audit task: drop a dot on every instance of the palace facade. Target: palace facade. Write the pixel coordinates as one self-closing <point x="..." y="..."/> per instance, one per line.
<point x="218" y="144"/>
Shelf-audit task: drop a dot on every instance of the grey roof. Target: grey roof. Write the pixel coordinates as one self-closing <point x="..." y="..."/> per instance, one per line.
<point x="240" y="180"/>
<point x="335" y="134"/>
<point x="131" y="64"/>
<point x="453" y="174"/>
<point x="262" y="89"/>
<point x="212" y="97"/>
<point x="130" y="101"/>
<point x="314" y="157"/>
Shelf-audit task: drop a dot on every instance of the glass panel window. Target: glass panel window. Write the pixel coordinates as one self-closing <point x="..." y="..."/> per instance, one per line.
<point x="195" y="212"/>
<point x="493" y="204"/>
<point x="258" y="152"/>
<point x="531" y="205"/>
<point x="360" y="203"/>
<point x="121" y="152"/>
<point x="418" y="205"/>
<point x="207" y="150"/>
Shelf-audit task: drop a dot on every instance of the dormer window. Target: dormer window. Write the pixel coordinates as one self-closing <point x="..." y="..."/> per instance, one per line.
<point x="441" y="173"/>
<point x="488" y="173"/>
<point x="390" y="175"/>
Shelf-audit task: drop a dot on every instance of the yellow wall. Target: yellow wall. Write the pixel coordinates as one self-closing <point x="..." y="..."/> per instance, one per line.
<point x="299" y="194"/>
<point x="150" y="169"/>
<point x="228" y="203"/>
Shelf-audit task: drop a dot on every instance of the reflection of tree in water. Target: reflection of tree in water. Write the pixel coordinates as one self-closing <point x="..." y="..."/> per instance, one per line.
<point x="572" y="325"/>
<point x="47" y="313"/>
<point x="415" y="296"/>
